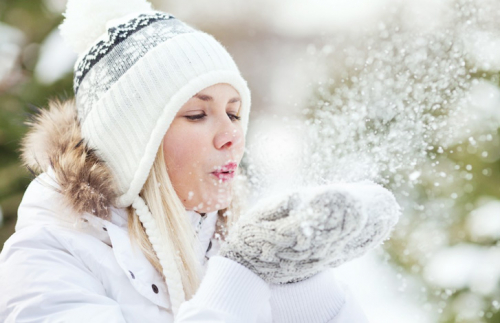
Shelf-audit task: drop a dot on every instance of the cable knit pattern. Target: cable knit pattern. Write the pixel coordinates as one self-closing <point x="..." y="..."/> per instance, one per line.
<point x="290" y="238"/>
<point x="383" y="212"/>
<point x="166" y="257"/>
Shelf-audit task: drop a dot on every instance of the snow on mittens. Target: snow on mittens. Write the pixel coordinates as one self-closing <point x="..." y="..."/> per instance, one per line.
<point x="293" y="236"/>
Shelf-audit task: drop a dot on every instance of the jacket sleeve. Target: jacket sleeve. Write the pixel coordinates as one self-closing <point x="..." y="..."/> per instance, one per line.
<point x="351" y="311"/>
<point x="229" y="293"/>
<point x="42" y="282"/>
<point x="320" y="298"/>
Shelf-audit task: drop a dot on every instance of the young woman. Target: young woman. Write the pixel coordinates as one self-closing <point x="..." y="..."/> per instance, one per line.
<point x="135" y="217"/>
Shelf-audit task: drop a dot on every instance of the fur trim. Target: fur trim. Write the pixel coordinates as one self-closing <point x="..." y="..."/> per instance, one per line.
<point x="55" y="141"/>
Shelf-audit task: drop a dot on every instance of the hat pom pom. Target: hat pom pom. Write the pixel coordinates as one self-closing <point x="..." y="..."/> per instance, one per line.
<point x="85" y="20"/>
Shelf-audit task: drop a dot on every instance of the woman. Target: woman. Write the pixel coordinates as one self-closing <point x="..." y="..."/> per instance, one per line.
<point x="136" y="194"/>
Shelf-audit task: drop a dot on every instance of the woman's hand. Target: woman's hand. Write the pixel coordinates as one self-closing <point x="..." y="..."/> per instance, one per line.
<point x="293" y="237"/>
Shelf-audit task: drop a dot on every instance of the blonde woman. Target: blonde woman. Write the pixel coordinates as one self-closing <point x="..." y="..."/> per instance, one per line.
<point x="135" y="218"/>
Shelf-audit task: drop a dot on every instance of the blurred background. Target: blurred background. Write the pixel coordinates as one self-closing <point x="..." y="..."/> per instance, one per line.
<point x="401" y="92"/>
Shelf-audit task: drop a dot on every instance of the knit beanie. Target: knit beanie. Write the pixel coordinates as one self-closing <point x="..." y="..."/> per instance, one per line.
<point x="136" y="67"/>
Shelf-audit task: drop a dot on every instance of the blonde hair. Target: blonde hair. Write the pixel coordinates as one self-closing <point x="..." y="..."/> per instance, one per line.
<point x="172" y="222"/>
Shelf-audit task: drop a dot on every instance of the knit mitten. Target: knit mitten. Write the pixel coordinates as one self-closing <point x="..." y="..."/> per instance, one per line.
<point x="293" y="237"/>
<point x="383" y="213"/>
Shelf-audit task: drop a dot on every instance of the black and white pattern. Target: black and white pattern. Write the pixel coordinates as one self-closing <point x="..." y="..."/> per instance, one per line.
<point x="102" y="73"/>
<point x="115" y="36"/>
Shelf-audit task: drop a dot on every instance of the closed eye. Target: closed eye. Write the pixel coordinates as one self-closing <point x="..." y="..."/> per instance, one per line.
<point x="233" y="117"/>
<point x="196" y="116"/>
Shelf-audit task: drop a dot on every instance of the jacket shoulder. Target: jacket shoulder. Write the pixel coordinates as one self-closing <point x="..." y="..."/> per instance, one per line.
<point x="51" y="247"/>
<point x="41" y="277"/>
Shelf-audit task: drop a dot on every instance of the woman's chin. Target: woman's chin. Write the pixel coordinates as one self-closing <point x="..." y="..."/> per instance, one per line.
<point x="208" y="206"/>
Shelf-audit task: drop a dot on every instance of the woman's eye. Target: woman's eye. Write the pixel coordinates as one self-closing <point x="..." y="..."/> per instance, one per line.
<point x="196" y="117"/>
<point x="233" y="116"/>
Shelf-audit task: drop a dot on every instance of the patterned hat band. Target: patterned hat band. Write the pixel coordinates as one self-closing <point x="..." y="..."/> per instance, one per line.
<point x="109" y="59"/>
<point x="116" y="35"/>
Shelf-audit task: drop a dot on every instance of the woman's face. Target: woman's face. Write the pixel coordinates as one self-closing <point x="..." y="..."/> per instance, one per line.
<point x="203" y="147"/>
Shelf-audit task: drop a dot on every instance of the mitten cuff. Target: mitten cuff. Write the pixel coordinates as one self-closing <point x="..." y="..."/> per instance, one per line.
<point x="316" y="299"/>
<point x="232" y="288"/>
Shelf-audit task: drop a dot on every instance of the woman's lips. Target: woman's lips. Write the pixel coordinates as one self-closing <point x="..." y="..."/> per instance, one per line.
<point x="223" y="176"/>
<point x="226" y="172"/>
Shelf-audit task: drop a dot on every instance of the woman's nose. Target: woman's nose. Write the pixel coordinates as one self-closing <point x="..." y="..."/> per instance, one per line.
<point x="227" y="136"/>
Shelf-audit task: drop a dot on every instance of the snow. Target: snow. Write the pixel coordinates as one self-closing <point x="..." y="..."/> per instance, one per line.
<point x="414" y="175"/>
<point x="484" y="222"/>
<point x="56" y="59"/>
<point x="468" y="307"/>
<point x="384" y="294"/>
<point x="465" y="266"/>
<point x="11" y="40"/>
<point x="451" y="268"/>
<point x="427" y="15"/>
<point x="270" y="141"/>
<point x="56" y="6"/>
<point x="487" y="57"/>
<point x="306" y="18"/>
<point x="425" y="239"/>
<point x="485" y="100"/>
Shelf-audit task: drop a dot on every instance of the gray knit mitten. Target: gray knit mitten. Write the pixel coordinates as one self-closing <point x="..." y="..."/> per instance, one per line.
<point x="293" y="237"/>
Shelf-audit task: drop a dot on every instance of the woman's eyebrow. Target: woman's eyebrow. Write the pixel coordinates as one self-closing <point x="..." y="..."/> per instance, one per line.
<point x="205" y="97"/>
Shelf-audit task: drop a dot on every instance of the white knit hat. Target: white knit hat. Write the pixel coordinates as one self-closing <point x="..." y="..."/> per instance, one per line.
<point x="136" y="68"/>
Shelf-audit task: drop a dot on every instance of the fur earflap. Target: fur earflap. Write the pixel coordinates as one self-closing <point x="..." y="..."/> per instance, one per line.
<point x="55" y="141"/>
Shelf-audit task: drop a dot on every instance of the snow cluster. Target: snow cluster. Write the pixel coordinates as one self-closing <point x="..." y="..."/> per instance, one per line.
<point x="395" y="99"/>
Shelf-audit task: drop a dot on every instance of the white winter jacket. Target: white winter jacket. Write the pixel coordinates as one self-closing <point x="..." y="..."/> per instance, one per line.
<point x="56" y="268"/>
